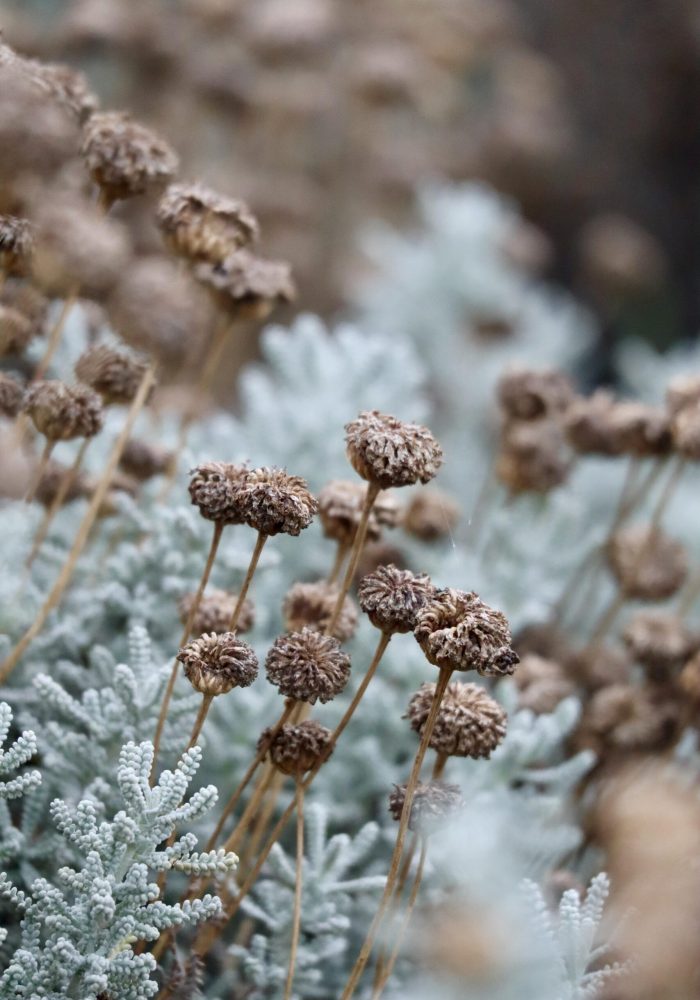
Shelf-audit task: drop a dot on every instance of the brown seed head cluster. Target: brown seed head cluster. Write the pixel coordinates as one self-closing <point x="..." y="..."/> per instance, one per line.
<point x="312" y="605"/>
<point x="215" y="611"/>
<point x="542" y="684"/>
<point x="469" y="723"/>
<point x="686" y="432"/>
<point x="294" y="750"/>
<point x="66" y="85"/>
<point x="36" y="136"/>
<point x="143" y="461"/>
<point x="202" y="225"/>
<point x="598" y="665"/>
<point x="433" y="803"/>
<point x="340" y="505"/>
<point x="660" y="641"/>
<point x="215" y="664"/>
<point x="11" y="395"/>
<point x="124" y="157"/>
<point x="114" y="374"/>
<point x="393" y="598"/>
<point x="308" y="666"/>
<point x="643" y="431"/>
<point x="246" y="286"/>
<point x="456" y="630"/>
<point x="590" y="425"/>
<point x="53" y="479"/>
<point x="61" y="412"/>
<point x="431" y="515"/>
<point x="16" y="244"/>
<point x="214" y="489"/>
<point x="272" y="501"/>
<point x="628" y="718"/>
<point x="648" y="564"/>
<point x="16" y="330"/>
<point x="533" y="456"/>
<point x="528" y="394"/>
<point x="389" y="452"/>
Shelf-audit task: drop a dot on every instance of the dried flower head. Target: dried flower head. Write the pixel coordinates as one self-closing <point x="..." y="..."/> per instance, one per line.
<point x="202" y="224"/>
<point x="659" y="640"/>
<point x="214" y="664"/>
<point x="458" y="631"/>
<point x="647" y="563"/>
<point x="53" y="478"/>
<point x="273" y="501"/>
<point x="215" y="611"/>
<point x="16" y="330"/>
<point x="542" y="684"/>
<point x="340" y="505"/>
<point x="686" y="432"/>
<point x="215" y="489"/>
<point x="307" y="666"/>
<point x="682" y="391"/>
<point x="469" y="723"/>
<point x="389" y="452"/>
<point x="599" y="664"/>
<point x="36" y="136"/>
<point x="294" y="750"/>
<point x="114" y="374"/>
<point x="246" y="286"/>
<point x="643" y="431"/>
<point x="124" y="157"/>
<point x="431" y="515"/>
<point x="433" y="803"/>
<point x="61" y="412"/>
<point x="628" y="718"/>
<point x="16" y="244"/>
<point x="143" y="461"/>
<point x="392" y="598"/>
<point x="11" y="395"/>
<point x="533" y="456"/>
<point x="26" y="299"/>
<point x="66" y="85"/>
<point x="528" y="394"/>
<point x="590" y="425"/>
<point x="312" y="605"/>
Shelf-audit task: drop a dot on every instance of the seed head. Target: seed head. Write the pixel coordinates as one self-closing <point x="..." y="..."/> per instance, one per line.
<point x="469" y="723"/>
<point x="528" y="394"/>
<point x="626" y="717"/>
<point x="36" y="136"/>
<point x="648" y="564"/>
<point x="660" y="641"/>
<point x="389" y="452"/>
<point x="340" y="505"/>
<point x="682" y="391"/>
<point x="686" y="432"/>
<point x="458" y="631"/>
<point x="392" y="598"/>
<point x="433" y="803"/>
<point x="52" y="480"/>
<point x="308" y="666"/>
<point x="214" y="664"/>
<point x="16" y="330"/>
<point x="542" y="684"/>
<point x="16" y="244"/>
<point x="114" y="374"/>
<point x="598" y="665"/>
<point x="431" y="515"/>
<point x="11" y="395"/>
<point x="66" y="85"/>
<point x="298" y="749"/>
<point x="215" y="489"/>
<point x="590" y="425"/>
<point x="312" y="605"/>
<point x="273" y="501"/>
<point x="533" y="456"/>
<point x="143" y="461"/>
<point x="202" y="225"/>
<point x="644" y="431"/>
<point x="215" y="611"/>
<point x="26" y="299"/>
<point x="61" y="412"/>
<point x="246" y="286"/>
<point x="123" y="157"/>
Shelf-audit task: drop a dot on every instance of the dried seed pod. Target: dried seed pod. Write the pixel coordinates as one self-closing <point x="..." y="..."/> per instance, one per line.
<point x="648" y="564"/>
<point x="377" y="554"/>
<point x="682" y="391"/>
<point x="61" y="412"/>
<point x="36" y="136"/>
<point x="11" y="395"/>
<point x="16" y="244"/>
<point x="686" y="432"/>
<point x="214" y="612"/>
<point x="389" y="452"/>
<point x="598" y="665"/>
<point x="66" y="85"/>
<point x="340" y="505"/>
<point x="27" y="300"/>
<point x="392" y="598"/>
<point x="308" y="666"/>
<point x="544" y="640"/>
<point x="626" y="717"/>
<point x="214" y="664"/>
<point x="431" y="515"/>
<point x="312" y="605"/>
<point x="590" y="427"/>
<point x="542" y="684"/>
<point x="272" y="501"/>
<point x="114" y="374"/>
<point x="528" y="394"/>
<point x="433" y="803"/>
<point x="53" y="479"/>
<point x="456" y="630"/>
<point x="294" y="750"/>
<point x="644" y="431"/>
<point x="533" y="456"/>
<point x="202" y="224"/>
<point x="659" y="640"/>
<point x="124" y="157"/>
<point x="143" y="461"/>
<point x="469" y="723"/>
<point x="246" y="286"/>
<point x="16" y="330"/>
<point x="215" y="489"/>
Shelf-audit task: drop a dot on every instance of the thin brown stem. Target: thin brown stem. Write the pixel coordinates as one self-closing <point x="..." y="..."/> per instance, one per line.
<point x="296" y="916"/>
<point x="410" y="906"/>
<point x="252" y="566"/>
<point x="64" y="486"/>
<point x="384" y="640"/>
<point x="202" y="714"/>
<point x="64" y="577"/>
<point x="667" y="492"/>
<point x="358" y="543"/>
<point x="55" y="335"/>
<point x="43" y="462"/>
<point x="607" y="619"/>
<point x="340" y="554"/>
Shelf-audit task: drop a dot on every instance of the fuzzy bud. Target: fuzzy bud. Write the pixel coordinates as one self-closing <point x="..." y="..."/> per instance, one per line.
<point x="294" y="750"/>
<point x="61" y="412"/>
<point x="272" y="502"/>
<point x="123" y="157"/>
<point x="215" y="664"/>
<point x="469" y="723"/>
<point x="389" y="452"/>
<point x="392" y="598"/>
<point x="312" y="605"/>
<point x="214" y="489"/>
<point x="308" y="666"/>
<point x="648" y="564"/>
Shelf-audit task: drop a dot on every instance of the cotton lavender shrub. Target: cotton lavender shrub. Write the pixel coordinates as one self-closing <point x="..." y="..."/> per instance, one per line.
<point x="419" y="615"/>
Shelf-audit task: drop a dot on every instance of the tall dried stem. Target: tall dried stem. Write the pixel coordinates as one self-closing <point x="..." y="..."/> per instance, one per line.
<point x="358" y="543"/>
<point x="245" y="586"/>
<point x="296" y="916"/>
<point x="64" y="486"/>
<point x="42" y="464"/>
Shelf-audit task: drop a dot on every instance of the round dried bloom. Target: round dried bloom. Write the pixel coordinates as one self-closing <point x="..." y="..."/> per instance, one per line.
<point x="433" y="803"/>
<point x="53" y="478"/>
<point x="61" y="412"/>
<point x="389" y="452"/>
<point x="376" y="554"/>
<point x="124" y="157"/>
<point x="202" y="224"/>
<point x="648" y="564"/>
<point x="644" y="431"/>
<point x="542" y="684"/>
<point x="16" y="330"/>
<point x="528" y="394"/>
<point x="36" y="136"/>
<point x="340" y="505"/>
<point x="686" y="432"/>
<point x="533" y="456"/>
<point x="597" y="665"/>
<point x="246" y="286"/>
<point x="11" y="395"/>
<point x="682" y="391"/>
<point x="469" y="723"/>
<point x="66" y="85"/>
<point x="273" y="501"/>
<point x="659" y="640"/>
<point x="312" y="605"/>
<point x="392" y="598"/>
<point x="431" y="515"/>
<point x="545" y="640"/>
<point x="294" y="750"/>
<point x="456" y="630"/>
<point x="26" y="299"/>
<point x="626" y="717"/>
<point x="215" y="611"/>
<point x="307" y="666"/>
<point x="215" y="489"/>
<point x="16" y="244"/>
<point x="590" y="425"/>
<point x="143" y="461"/>
<point x="214" y="664"/>
<point x="114" y="374"/>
